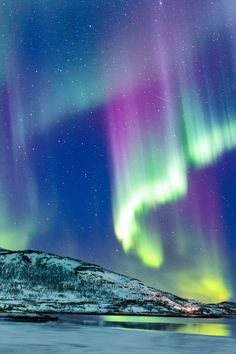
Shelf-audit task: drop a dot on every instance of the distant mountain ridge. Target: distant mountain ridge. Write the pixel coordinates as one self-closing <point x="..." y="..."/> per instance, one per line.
<point x="32" y="281"/>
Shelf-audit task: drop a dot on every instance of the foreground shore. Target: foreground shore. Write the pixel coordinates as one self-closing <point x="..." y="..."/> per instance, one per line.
<point x="18" y="338"/>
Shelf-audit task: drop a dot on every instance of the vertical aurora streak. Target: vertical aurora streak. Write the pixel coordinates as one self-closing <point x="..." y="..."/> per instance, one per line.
<point x="167" y="125"/>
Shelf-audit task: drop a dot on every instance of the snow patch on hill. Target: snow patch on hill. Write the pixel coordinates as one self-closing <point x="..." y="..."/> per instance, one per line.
<point x="40" y="282"/>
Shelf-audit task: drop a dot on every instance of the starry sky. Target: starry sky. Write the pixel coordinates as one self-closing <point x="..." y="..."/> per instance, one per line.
<point x="118" y="137"/>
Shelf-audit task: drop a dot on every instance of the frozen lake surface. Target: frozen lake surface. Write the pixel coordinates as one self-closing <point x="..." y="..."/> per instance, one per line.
<point x="119" y="334"/>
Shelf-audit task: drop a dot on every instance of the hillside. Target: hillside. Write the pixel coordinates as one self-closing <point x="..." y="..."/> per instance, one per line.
<point x="33" y="281"/>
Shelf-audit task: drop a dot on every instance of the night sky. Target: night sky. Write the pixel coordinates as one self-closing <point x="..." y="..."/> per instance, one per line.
<point x="118" y="137"/>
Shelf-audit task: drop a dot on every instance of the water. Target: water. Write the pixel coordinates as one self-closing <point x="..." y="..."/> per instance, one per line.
<point x="119" y="334"/>
<point x="210" y="327"/>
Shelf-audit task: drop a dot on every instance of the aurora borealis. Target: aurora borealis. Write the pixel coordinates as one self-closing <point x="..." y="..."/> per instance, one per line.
<point x="118" y="137"/>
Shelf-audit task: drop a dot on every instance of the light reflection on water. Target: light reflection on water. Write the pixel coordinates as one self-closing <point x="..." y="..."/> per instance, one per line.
<point x="202" y="326"/>
<point x="224" y="327"/>
<point x="217" y="329"/>
<point x="208" y="327"/>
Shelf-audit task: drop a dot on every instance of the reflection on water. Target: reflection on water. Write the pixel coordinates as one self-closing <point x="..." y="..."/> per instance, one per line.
<point x="217" y="329"/>
<point x="209" y="327"/>
<point x="191" y="326"/>
<point x="224" y="327"/>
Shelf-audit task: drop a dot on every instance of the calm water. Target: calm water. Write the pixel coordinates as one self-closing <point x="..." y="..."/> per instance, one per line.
<point x="209" y="327"/>
<point x="116" y="334"/>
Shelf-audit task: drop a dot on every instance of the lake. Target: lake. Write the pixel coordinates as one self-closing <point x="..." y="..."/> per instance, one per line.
<point x="119" y="334"/>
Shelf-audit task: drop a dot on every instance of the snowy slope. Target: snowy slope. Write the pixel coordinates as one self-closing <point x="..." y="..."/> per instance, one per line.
<point x="40" y="282"/>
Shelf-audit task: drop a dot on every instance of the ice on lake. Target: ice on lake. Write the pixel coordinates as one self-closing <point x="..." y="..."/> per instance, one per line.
<point x="118" y="335"/>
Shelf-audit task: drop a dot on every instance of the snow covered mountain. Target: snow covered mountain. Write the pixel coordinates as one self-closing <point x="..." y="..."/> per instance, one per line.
<point x="33" y="281"/>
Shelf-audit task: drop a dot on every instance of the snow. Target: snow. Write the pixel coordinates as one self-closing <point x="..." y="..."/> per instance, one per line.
<point x="61" y="338"/>
<point x="35" y="281"/>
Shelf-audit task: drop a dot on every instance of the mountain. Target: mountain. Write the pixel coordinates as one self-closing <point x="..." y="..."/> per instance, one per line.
<point x="32" y="281"/>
